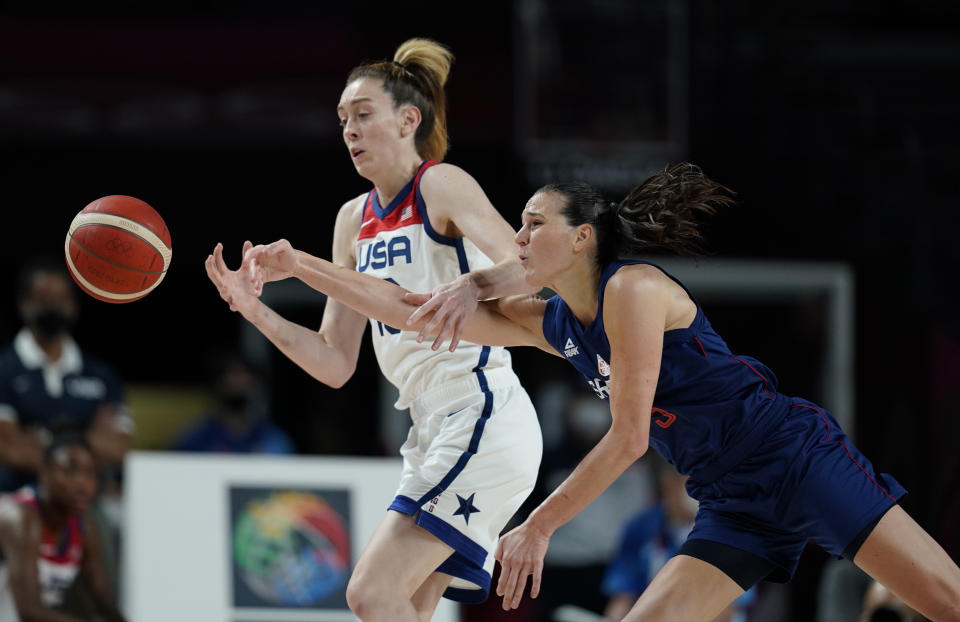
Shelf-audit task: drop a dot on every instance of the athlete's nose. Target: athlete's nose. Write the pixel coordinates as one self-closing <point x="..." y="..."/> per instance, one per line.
<point x="350" y="130"/>
<point x="521" y="237"/>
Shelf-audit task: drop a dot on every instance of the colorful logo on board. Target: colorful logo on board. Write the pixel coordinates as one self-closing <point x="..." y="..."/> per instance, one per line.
<point x="291" y="548"/>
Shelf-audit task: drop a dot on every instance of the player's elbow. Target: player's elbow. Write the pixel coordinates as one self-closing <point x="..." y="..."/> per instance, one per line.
<point x="632" y="435"/>
<point x="337" y="378"/>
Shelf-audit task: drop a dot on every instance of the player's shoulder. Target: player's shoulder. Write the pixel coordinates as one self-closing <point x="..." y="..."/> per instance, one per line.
<point x="443" y="175"/>
<point x="351" y="212"/>
<point x="638" y="278"/>
<point x="353" y="207"/>
<point x="16" y="518"/>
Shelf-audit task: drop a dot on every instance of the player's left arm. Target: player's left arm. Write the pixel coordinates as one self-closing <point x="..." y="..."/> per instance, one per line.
<point x="634" y="315"/>
<point x="460" y="208"/>
<point x="93" y="574"/>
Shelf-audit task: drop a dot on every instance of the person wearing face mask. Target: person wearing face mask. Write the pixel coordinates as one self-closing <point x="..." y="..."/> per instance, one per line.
<point x="48" y="384"/>
<point x="237" y="422"/>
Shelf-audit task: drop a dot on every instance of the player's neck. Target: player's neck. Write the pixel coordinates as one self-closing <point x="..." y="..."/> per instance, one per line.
<point x="578" y="288"/>
<point x="394" y="180"/>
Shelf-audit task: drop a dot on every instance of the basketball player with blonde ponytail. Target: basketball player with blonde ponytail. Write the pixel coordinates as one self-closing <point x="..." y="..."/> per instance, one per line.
<point x="473" y="451"/>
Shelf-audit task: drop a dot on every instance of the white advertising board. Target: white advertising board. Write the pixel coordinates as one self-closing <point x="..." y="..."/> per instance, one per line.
<point x="221" y="538"/>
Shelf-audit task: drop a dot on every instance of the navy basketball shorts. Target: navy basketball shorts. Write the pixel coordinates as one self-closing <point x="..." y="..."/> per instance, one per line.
<point x="807" y="481"/>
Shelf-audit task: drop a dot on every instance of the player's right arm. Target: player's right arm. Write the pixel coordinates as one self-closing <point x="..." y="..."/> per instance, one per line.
<point x="513" y="321"/>
<point x="20" y="536"/>
<point x="330" y="354"/>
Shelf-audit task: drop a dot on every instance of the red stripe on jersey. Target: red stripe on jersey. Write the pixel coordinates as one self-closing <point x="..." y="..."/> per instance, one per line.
<point x="846" y="449"/>
<point x="53" y="547"/>
<point x="404" y="214"/>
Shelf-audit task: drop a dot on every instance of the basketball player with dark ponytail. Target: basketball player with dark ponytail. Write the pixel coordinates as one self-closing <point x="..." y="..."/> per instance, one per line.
<point x="769" y="471"/>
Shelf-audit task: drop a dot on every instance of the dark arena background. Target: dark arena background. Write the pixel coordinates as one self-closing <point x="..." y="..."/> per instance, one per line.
<point x="834" y="122"/>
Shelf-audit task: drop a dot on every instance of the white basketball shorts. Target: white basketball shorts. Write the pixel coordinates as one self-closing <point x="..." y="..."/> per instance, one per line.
<point x="470" y="460"/>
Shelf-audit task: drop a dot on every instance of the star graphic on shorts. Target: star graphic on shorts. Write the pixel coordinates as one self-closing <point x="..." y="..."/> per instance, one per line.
<point x="466" y="506"/>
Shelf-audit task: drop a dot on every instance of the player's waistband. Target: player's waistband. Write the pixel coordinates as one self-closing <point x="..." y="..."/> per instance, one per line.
<point x="453" y="390"/>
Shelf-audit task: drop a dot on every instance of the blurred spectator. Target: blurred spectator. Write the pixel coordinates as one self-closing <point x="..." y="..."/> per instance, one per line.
<point x="49" y="385"/>
<point x="841" y="592"/>
<point x="45" y="545"/>
<point x="652" y="537"/>
<point x="238" y="421"/>
<point x="881" y="605"/>
<point x="580" y="549"/>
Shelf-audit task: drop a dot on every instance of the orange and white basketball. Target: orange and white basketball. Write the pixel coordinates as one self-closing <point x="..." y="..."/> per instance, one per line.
<point x="118" y="249"/>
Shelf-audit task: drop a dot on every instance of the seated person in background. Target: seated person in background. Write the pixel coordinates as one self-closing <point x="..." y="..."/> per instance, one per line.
<point x="649" y="539"/>
<point x="48" y="385"/>
<point x="238" y="422"/>
<point x="44" y="545"/>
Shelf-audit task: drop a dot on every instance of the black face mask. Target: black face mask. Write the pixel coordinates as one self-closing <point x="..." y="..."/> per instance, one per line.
<point x="235" y="403"/>
<point x="49" y="323"/>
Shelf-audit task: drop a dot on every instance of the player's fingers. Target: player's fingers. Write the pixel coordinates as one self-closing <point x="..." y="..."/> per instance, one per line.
<point x="424" y="309"/>
<point x="247" y="245"/>
<point x="440" y="336"/>
<point x="535" y="586"/>
<point x="508" y="576"/>
<point x="218" y="257"/>
<point x="518" y="592"/>
<point x="416" y="299"/>
<point x="433" y="327"/>
<point x="211" y="267"/>
<point x="457" y="332"/>
<point x="430" y="327"/>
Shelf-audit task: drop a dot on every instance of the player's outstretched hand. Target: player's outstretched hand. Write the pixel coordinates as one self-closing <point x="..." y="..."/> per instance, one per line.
<point x="451" y="305"/>
<point x="236" y="287"/>
<point x="520" y="553"/>
<point x="270" y="262"/>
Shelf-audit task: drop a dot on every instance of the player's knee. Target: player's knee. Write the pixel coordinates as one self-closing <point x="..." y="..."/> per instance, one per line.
<point x="361" y="597"/>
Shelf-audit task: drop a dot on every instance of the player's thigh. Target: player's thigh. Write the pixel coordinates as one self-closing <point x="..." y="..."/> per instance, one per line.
<point x="686" y="589"/>
<point x="399" y="556"/>
<point x="905" y="559"/>
<point x="428" y="596"/>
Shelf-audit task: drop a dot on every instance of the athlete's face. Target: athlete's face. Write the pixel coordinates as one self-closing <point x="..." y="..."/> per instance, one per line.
<point x="547" y="242"/>
<point x="373" y="129"/>
<point x="71" y="478"/>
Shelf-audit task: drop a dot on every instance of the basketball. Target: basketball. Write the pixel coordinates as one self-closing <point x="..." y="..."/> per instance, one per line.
<point x="118" y="249"/>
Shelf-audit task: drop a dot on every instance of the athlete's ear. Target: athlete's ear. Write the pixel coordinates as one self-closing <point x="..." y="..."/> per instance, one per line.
<point x="410" y="119"/>
<point x="582" y="237"/>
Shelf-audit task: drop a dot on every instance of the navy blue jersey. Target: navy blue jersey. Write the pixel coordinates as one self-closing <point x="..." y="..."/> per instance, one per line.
<point x="24" y="392"/>
<point x="711" y="408"/>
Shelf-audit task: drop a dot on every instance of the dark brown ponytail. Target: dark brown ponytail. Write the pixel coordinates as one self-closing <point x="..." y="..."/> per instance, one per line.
<point x="662" y="213"/>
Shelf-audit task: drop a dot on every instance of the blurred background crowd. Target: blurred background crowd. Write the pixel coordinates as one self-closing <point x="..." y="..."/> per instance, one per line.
<point x="834" y="122"/>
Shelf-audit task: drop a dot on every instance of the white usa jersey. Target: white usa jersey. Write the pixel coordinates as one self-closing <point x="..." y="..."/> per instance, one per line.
<point x="396" y="243"/>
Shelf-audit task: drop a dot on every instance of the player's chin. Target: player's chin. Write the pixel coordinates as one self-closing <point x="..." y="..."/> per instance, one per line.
<point x="531" y="278"/>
